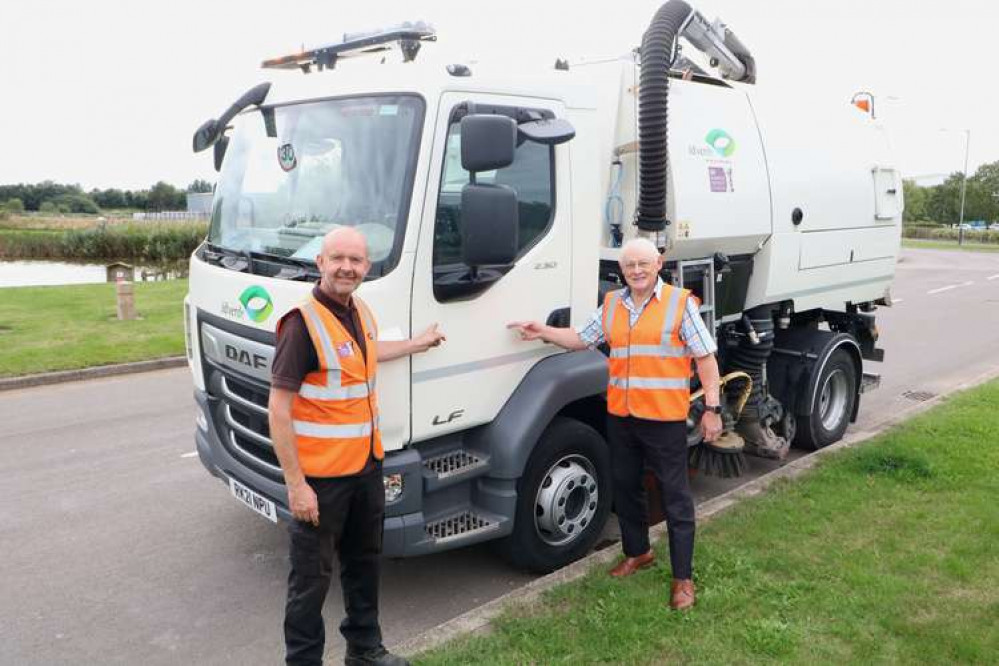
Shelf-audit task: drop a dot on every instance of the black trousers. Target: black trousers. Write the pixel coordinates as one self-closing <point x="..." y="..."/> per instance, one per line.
<point x="351" y="514"/>
<point x="662" y="447"/>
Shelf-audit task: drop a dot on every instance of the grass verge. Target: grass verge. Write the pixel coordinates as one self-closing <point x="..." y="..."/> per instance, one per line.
<point x="970" y="246"/>
<point x="887" y="553"/>
<point x="69" y="327"/>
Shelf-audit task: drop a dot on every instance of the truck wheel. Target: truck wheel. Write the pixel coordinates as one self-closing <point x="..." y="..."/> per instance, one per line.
<point x="563" y="499"/>
<point x="830" y="411"/>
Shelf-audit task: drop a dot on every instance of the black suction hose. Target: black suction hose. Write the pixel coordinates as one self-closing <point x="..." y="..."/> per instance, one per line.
<point x="658" y="51"/>
<point x="750" y="357"/>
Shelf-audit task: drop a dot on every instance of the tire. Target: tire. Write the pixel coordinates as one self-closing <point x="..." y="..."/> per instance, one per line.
<point x="563" y="498"/>
<point x="831" y="409"/>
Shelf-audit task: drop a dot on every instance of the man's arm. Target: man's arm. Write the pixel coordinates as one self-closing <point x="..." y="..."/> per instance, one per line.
<point x="301" y="498"/>
<point x="390" y="349"/>
<point x="707" y="372"/>
<point x="567" y="338"/>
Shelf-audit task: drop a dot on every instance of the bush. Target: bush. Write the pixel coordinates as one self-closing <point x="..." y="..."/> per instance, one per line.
<point x="14" y="206"/>
<point x="153" y="243"/>
<point x="948" y="234"/>
<point x="76" y="203"/>
<point x="47" y="207"/>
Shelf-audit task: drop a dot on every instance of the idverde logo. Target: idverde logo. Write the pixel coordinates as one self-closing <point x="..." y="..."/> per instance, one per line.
<point x="720" y="142"/>
<point x="257" y="302"/>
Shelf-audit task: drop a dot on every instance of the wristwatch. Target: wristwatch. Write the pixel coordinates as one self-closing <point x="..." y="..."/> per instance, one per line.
<point x="714" y="409"/>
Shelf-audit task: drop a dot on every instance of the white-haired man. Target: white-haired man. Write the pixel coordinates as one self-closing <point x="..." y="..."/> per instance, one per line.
<point x="653" y="329"/>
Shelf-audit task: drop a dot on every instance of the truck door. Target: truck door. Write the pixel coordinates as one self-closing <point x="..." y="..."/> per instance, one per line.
<point x="467" y="380"/>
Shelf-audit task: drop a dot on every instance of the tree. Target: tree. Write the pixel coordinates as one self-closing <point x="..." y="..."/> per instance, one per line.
<point x="199" y="186"/>
<point x="164" y="196"/>
<point x="944" y="202"/>
<point x="110" y="198"/>
<point x="915" y="201"/>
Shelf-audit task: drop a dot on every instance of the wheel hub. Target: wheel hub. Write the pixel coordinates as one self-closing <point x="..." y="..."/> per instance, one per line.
<point x="833" y="399"/>
<point x="567" y="501"/>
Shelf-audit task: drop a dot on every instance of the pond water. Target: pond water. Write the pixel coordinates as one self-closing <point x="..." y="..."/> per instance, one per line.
<point x="43" y="273"/>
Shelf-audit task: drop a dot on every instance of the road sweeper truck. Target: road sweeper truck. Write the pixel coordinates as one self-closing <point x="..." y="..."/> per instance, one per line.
<point x="488" y="196"/>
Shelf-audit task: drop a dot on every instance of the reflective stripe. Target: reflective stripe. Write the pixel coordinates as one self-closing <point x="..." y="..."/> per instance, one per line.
<point x="608" y="314"/>
<point x="333" y="390"/>
<point x="369" y="322"/>
<point x="335" y="431"/>
<point x="674" y="302"/>
<point x="660" y="351"/>
<point x="332" y="360"/>
<point x="649" y="383"/>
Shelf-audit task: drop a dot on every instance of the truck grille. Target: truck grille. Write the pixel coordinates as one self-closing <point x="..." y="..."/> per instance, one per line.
<point x="243" y="423"/>
<point x="239" y="400"/>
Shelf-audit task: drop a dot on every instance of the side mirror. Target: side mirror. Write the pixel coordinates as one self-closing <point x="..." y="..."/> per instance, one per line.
<point x="548" y="131"/>
<point x="205" y="135"/>
<point x="211" y="130"/>
<point x="490" y="225"/>
<point x="487" y="142"/>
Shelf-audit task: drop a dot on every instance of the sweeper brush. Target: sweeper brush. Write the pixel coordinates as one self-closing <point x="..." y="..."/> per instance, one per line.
<point x="723" y="457"/>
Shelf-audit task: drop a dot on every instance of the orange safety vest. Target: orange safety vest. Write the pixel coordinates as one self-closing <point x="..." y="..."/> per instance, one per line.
<point x="335" y="414"/>
<point x="649" y="366"/>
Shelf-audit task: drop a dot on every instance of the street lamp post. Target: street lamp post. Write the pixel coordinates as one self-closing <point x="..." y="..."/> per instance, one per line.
<point x="964" y="187"/>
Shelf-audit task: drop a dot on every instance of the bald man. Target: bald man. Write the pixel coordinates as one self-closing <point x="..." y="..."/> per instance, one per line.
<point x="324" y="426"/>
<point x="652" y="329"/>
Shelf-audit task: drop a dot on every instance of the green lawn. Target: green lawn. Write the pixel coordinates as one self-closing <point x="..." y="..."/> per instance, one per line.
<point x="886" y="554"/>
<point x="62" y="328"/>
<point x="971" y="246"/>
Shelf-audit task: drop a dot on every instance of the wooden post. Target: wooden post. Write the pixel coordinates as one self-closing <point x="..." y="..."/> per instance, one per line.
<point x="126" y="299"/>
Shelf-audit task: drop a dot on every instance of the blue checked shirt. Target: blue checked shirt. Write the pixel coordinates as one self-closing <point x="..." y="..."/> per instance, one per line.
<point x="693" y="332"/>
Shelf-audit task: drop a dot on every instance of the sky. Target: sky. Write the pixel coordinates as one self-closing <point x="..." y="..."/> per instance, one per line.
<point x="108" y="93"/>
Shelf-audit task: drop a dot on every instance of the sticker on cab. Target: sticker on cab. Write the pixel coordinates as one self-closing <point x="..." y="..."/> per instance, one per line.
<point x="286" y="157"/>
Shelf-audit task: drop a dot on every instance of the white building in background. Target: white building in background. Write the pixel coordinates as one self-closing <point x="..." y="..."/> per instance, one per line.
<point x="199" y="202"/>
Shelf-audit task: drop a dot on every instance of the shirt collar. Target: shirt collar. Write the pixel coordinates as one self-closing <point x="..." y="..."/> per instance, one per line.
<point x="657" y="293"/>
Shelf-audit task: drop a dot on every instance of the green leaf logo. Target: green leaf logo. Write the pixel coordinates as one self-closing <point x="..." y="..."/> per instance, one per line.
<point x="720" y="142"/>
<point x="257" y="302"/>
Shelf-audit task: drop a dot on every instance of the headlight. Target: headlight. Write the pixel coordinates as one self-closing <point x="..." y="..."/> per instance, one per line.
<point x="393" y="487"/>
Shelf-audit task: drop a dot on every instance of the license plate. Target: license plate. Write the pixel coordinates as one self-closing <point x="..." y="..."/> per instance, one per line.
<point x="257" y="502"/>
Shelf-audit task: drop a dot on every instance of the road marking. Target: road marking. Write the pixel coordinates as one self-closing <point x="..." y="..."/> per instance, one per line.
<point x="189" y="455"/>
<point x="949" y="287"/>
<point x="993" y="277"/>
<point x="896" y="300"/>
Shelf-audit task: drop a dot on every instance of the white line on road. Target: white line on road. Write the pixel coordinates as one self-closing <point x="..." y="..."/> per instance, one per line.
<point x="189" y="455"/>
<point x="949" y="287"/>
<point x="993" y="277"/>
<point x="896" y="300"/>
<point x="942" y="289"/>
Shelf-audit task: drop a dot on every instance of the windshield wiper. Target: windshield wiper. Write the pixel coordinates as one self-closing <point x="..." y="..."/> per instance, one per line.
<point x="229" y="258"/>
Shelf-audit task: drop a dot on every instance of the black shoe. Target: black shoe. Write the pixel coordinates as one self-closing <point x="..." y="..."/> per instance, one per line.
<point x="377" y="656"/>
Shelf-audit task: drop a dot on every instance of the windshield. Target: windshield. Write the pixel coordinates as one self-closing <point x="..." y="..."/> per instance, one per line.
<point x="317" y="166"/>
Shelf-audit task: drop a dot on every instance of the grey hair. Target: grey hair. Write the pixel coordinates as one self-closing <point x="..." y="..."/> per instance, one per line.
<point x="642" y="246"/>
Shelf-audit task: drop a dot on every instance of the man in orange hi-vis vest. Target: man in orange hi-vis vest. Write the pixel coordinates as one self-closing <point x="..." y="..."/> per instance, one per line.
<point x="324" y="425"/>
<point x="652" y="329"/>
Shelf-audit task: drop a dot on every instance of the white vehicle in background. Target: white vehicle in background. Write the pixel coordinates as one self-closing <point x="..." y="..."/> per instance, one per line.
<point x="488" y="197"/>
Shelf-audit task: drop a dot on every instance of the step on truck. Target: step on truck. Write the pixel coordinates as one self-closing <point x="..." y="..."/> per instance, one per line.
<point x="487" y="196"/>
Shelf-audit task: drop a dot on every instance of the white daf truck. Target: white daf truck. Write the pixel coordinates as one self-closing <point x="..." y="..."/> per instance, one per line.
<point x="489" y="196"/>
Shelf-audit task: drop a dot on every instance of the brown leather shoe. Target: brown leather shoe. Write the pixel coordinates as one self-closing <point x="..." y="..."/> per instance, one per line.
<point x="681" y="594"/>
<point x="630" y="565"/>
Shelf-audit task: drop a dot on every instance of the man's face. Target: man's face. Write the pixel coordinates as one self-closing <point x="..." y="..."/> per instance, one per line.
<point x="641" y="270"/>
<point x="343" y="265"/>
